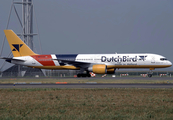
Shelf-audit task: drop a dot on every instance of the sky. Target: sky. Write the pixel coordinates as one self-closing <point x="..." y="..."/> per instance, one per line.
<point x="96" y="26"/>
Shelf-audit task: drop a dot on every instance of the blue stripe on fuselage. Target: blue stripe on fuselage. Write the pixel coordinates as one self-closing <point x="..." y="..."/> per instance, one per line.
<point x="67" y="56"/>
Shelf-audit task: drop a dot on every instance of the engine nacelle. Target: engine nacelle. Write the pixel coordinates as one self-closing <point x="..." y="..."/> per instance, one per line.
<point x="101" y="69"/>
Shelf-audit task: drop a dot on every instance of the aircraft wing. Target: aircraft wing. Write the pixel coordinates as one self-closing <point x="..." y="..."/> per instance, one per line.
<point x="9" y="59"/>
<point x="72" y="62"/>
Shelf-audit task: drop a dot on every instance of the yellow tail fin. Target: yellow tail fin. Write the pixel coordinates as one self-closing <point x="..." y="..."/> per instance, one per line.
<point x="18" y="47"/>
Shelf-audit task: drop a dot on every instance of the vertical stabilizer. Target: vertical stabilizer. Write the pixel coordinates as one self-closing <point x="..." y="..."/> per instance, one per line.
<point x="18" y="47"/>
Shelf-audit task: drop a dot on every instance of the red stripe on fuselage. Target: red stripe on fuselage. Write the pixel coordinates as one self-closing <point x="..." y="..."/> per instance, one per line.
<point x="45" y="60"/>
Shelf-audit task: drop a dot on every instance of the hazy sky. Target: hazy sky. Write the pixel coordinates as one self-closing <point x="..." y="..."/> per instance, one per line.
<point x="97" y="26"/>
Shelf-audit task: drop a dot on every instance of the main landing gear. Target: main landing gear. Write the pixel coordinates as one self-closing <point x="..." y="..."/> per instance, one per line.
<point x="85" y="74"/>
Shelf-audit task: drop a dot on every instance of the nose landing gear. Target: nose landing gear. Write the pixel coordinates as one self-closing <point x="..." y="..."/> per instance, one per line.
<point x="150" y="73"/>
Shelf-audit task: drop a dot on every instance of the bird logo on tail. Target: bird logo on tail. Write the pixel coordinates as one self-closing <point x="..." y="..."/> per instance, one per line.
<point x="17" y="47"/>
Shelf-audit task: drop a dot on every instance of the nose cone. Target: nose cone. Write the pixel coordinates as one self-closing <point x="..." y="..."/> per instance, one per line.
<point x="169" y="63"/>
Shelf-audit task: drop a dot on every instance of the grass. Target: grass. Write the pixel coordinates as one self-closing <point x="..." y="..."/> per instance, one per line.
<point x="86" y="104"/>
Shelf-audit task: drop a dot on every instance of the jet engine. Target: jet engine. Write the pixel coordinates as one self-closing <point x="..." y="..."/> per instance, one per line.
<point x="101" y="69"/>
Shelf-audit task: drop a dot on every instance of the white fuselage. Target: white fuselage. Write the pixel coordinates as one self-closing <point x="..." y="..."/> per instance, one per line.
<point x="85" y="61"/>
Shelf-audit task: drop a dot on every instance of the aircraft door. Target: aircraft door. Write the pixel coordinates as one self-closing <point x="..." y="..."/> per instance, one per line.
<point x="152" y="60"/>
<point x="33" y="61"/>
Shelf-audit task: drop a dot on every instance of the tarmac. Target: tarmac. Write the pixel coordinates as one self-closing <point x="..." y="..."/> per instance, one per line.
<point x="86" y="85"/>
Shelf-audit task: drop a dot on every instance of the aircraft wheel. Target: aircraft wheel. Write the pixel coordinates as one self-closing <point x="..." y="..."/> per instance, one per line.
<point x="83" y="75"/>
<point x="88" y="75"/>
<point x="79" y="75"/>
<point x="149" y="75"/>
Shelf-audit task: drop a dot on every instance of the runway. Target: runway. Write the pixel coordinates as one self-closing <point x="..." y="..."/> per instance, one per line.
<point x="154" y="82"/>
<point x="86" y="85"/>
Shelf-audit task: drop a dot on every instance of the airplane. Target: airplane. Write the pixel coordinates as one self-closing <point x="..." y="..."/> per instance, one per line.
<point x="86" y="63"/>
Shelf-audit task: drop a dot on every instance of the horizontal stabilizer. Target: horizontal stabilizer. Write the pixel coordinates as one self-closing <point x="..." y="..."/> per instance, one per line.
<point x="9" y="59"/>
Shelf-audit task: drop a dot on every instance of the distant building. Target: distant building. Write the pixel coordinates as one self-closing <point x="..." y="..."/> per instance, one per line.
<point x="21" y="71"/>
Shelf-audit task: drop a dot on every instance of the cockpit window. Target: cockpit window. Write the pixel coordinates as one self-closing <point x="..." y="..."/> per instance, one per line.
<point x="163" y="59"/>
